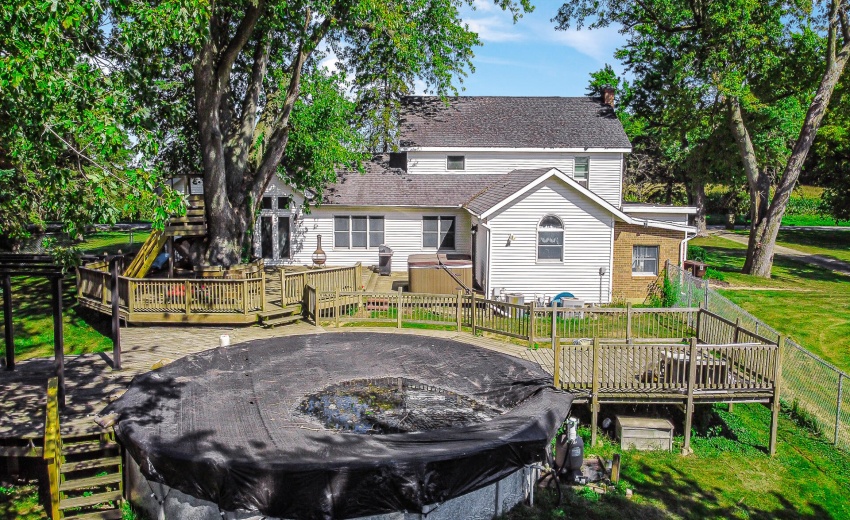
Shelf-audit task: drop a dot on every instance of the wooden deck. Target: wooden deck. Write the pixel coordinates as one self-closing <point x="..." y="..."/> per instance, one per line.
<point x="726" y="364"/>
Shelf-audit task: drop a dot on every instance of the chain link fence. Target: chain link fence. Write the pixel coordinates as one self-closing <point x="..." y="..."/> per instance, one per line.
<point x="814" y="387"/>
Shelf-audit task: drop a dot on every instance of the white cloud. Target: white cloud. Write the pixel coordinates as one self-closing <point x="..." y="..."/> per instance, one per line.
<point x="497" y="28"/>
<point x="599" y="44"/>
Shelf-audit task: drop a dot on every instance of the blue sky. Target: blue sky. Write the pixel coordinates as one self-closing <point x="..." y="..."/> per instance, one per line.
<point x="531" y="58"/>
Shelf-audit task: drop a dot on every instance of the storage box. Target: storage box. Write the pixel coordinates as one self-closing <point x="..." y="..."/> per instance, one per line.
<point x="645" y="434"/>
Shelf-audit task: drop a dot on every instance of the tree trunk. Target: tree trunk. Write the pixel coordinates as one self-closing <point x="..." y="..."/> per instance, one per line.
<point x="763" y="237"/>
<point x="758" y="182"/>
<point x="696" y="198"/>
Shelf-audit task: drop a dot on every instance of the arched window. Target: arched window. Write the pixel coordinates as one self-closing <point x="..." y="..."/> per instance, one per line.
<point x="550" y="239"/>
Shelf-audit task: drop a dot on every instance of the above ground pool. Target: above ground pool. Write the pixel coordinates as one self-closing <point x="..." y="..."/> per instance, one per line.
<point x="338" y="425"/>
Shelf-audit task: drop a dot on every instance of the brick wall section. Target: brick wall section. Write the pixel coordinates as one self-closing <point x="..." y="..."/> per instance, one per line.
<point x="626" y="286"/>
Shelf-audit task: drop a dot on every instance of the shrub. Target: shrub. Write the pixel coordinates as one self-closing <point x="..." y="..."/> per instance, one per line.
<point x="714" y="274"/>
<point x="696" y="253"/>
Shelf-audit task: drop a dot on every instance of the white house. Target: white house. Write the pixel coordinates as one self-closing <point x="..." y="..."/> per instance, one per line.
<point x="530" y="187"/>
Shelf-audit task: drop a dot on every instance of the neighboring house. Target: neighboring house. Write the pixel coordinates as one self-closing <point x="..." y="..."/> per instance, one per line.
<point x="530" y="187"/>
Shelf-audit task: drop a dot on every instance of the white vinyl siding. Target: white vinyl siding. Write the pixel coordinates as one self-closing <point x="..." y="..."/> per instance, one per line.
<point x="605" y="169"/>
<point x="588" y="235"/>
<point x="402" y="233"/>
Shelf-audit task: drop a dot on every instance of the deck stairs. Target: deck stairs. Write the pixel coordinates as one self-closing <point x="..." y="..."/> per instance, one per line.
<point x="276" y="315"/>
<point x="91" y="482"/>
<point x="193" y="223"/>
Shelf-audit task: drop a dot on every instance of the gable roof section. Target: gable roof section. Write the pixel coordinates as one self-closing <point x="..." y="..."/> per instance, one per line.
<point x="381" y="185"/>
<point x="480" y="194"/>
<point x="510" y="122"/>
<point x="518" y="182"/>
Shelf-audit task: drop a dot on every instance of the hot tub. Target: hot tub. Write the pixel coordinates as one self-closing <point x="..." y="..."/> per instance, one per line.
<point x="427" y="273"/>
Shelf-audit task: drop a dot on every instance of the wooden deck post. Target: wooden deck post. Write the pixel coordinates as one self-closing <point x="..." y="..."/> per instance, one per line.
<point x="554" y="324"/>
<point x="531" y="325"/>
<point x="58" y="341"/>
<point x="9" y="330"/>
<point x="116" y="317"/>
<point x="246" y="297"/>
<point x="556" y="352"/>
<point x="472" y="309"/>
<point x="737" y="330"/>
<point x="336" y="307"/>
<point x="187" y="296"/>
<point x="316" y="307"/>
<point x="263" y="291"/>
<point x="774" y="402"/>
<point x="398" y="310"/>
<point x="358" y="275"/>
<point x="131" y="298"/>
<point x="459" y="314"/>
<point x="629" y="319"/>
<point x="594" y="396"/>
<point x="689" y="406"/>
<point x="706" y="293"/>
<point x="838" y="407"/>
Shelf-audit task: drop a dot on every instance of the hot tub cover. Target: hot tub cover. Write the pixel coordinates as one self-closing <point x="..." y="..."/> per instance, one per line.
<point x="224" y="425"/>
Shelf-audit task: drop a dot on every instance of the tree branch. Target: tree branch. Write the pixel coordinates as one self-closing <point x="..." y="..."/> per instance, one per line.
<point x="243" y="34"/>
<point x="280" y="135"/>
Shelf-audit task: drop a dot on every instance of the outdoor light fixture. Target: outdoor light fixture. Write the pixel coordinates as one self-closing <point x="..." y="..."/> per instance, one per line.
<point x="602" y="272"/>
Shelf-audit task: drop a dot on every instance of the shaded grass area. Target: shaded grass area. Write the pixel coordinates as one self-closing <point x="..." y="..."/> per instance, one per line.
<point x="831" y="243"/>
<point x="728" y="476"/>
<point x="808" y="303"/>
<point x="20" y="502"/>
<point x="32" y="314"/>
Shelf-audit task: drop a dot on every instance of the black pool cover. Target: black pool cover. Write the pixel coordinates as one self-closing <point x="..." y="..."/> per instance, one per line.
<point x="272" y="425"/>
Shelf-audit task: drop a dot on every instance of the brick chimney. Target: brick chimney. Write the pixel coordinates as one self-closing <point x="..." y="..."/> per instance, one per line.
<point x="608" y="96"/>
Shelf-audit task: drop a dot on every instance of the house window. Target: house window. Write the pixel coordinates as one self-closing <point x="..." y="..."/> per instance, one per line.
<point x="581" y="172"/>
<point x="267" y="203"/>
<point x="282" y="203"/>
<point x="358" y="232"/>
<point x="550" y="239"/>
<point x="438" y="232"/>
<point x="456" y="162"/>
<point x="645" y="260"/>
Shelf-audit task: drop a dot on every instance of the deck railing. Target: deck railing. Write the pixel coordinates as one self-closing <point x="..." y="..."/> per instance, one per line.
<point x="322" y="280"/>
<point x="664" y="367"/>
<point x="141" y="299"/>
<point x="615" y="323"/>
<point x="52" y="446"/>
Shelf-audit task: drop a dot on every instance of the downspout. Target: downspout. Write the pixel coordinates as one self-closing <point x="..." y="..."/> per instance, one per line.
<point x="683" y="248"/>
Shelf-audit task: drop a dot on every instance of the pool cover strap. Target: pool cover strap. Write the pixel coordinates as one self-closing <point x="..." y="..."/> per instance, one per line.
<point x="225" y="425"/>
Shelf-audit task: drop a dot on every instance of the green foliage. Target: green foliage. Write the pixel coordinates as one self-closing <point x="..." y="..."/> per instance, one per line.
<point x="714" y="274"/>
<point x="70" y="146"/>
<point x="696" y="253"/>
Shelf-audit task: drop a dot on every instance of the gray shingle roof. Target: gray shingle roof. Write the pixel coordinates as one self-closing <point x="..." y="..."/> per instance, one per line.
<point x="503" y="188"/>
<point x="381" y="185"/>
<point x="510" y="122"/>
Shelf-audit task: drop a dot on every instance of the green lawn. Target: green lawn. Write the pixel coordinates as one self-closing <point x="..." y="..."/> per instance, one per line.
<point x="728" y="476"/>
<point x="32" y="311"/>
<point x="831" y="243"/>
<point x="810" y="304"/>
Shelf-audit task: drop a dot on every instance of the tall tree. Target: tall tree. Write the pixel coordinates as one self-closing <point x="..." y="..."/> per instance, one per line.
<point x="756" y="59"/>
<point x="245" y="64"/>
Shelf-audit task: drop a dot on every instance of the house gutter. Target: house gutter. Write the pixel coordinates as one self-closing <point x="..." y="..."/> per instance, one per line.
<point x="683" y="247"/>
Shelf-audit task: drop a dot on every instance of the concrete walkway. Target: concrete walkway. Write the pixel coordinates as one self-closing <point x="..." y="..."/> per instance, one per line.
<point x="819" y="260"/>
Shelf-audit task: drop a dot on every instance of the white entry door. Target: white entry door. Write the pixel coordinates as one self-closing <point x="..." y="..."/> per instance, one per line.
<point x="273" y="227"/>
